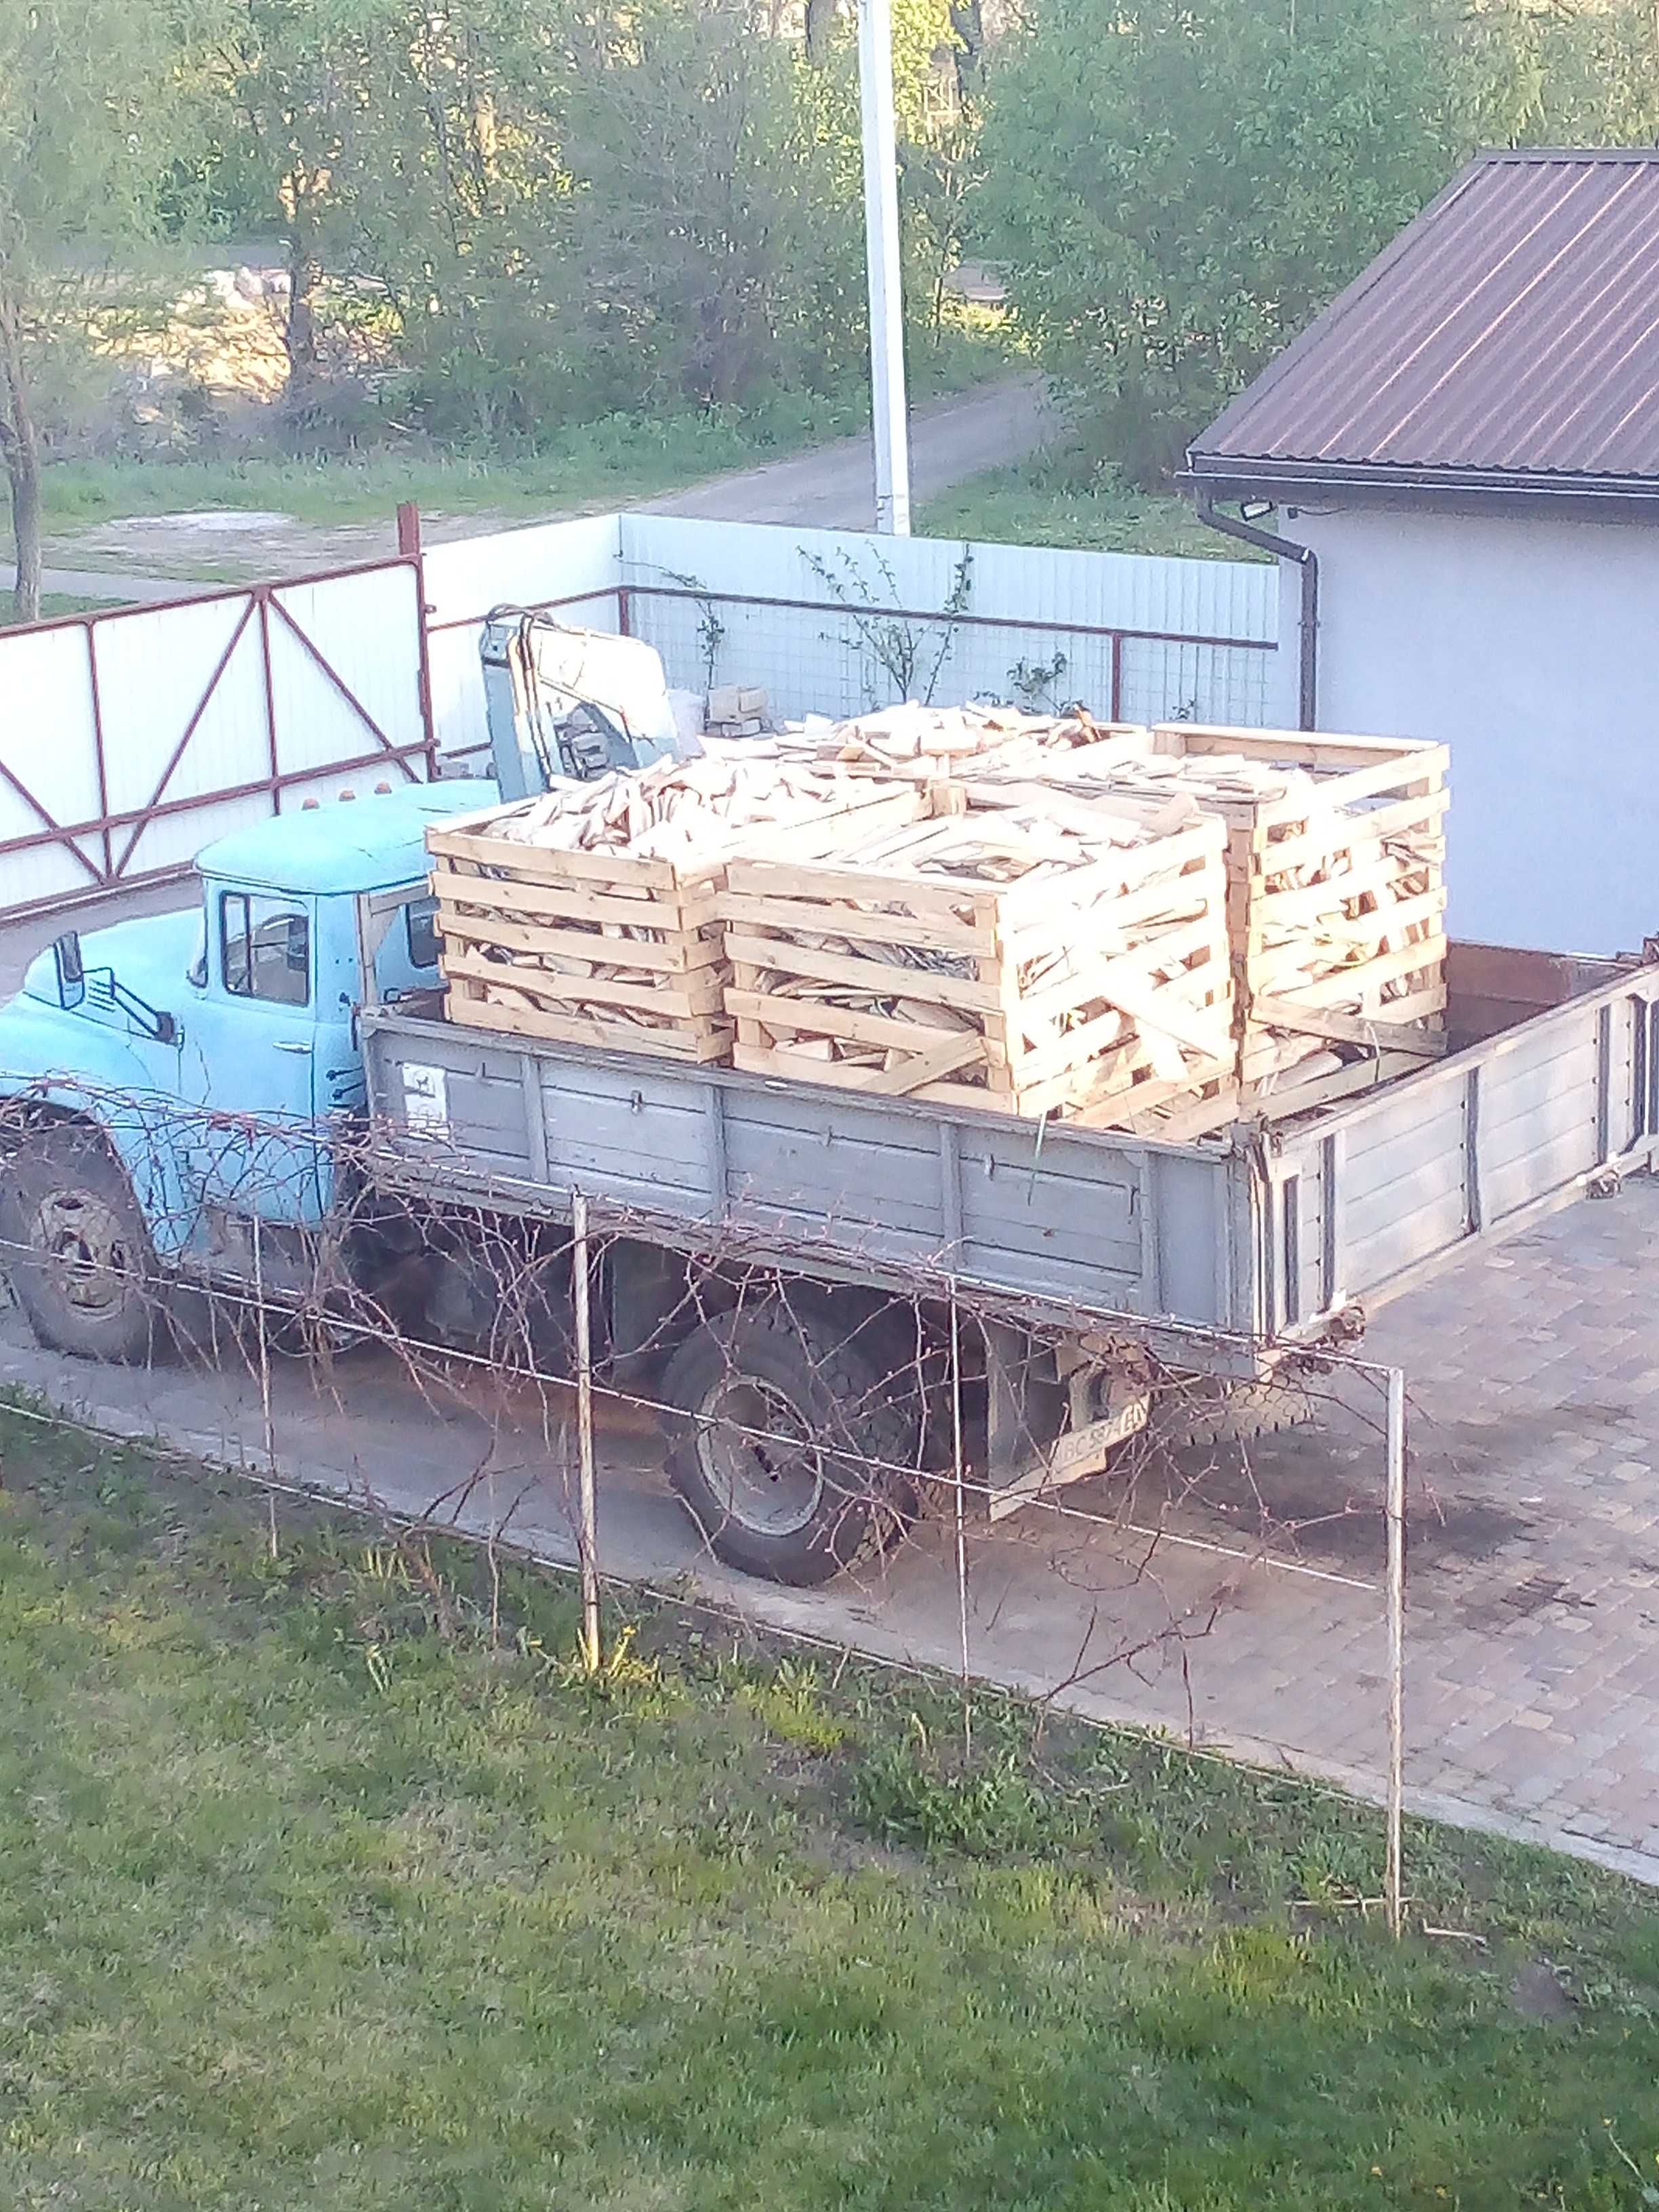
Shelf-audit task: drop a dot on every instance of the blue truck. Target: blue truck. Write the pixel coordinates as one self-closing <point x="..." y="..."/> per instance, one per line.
<point x="262" y="1097"/>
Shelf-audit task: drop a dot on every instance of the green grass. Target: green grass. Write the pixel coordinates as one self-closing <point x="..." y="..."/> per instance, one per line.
<point x="53" y="604"/>
<point x="316" y="1893"/>
<point x="594" y="465"/>
<point x="1061" y="497"/>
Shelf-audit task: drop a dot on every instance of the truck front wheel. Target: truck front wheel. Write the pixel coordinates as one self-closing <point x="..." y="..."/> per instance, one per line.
<point x="74" y="1246"/>
<point x="788" y="1443"/>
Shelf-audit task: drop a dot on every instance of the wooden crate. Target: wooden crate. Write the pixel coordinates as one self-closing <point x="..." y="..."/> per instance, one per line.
<point x="1102" y="992"/>
<point x="587" y="948"/>
<point x="1335" y="901"/>
<point x="594" y="948"/>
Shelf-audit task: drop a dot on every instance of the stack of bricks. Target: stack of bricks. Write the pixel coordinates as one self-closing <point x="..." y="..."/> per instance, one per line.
<point x="737" y="710"/>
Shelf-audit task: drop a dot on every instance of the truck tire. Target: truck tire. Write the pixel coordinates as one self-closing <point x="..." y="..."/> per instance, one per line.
<point x="789" y="1443"/>
<point x="1204" y="1414"/>
<point x="74" y="1247"/>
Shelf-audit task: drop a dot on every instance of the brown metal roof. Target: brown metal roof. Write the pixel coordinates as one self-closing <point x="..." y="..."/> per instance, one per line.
<point x="1510" y="332"/>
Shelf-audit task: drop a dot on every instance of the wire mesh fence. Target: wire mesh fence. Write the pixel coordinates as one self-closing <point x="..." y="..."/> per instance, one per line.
<point x="933" y="1474"/>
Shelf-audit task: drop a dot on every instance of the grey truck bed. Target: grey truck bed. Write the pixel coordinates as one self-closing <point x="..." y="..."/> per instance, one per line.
<point x="1261" y="1237"/>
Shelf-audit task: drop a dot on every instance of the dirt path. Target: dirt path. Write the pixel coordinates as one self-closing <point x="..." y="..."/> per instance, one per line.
<point x="153" y="557"/>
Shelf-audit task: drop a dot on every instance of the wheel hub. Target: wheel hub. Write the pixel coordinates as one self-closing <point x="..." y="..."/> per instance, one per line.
<point x="759" y="1457"/>
<point x="86" y="1244"/>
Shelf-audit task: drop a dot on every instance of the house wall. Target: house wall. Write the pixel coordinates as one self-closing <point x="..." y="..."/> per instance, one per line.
<point x="1530" y="645"/>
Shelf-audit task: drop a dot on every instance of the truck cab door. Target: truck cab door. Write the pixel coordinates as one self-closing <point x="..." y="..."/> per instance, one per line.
<point x="263" y="1040"/>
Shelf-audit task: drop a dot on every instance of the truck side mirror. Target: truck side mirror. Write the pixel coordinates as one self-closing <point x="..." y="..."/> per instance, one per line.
<point x="71" y="969"/>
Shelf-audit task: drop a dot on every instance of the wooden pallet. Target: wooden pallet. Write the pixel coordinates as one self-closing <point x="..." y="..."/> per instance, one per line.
<point x="1102" y="992"/>
<point x="586" y="948"/>
<point x="1336" y="894"/>
<point x="596" y="948"/>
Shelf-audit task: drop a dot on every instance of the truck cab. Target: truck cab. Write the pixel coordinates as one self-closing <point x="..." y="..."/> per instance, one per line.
<point x="171" y="1083"/>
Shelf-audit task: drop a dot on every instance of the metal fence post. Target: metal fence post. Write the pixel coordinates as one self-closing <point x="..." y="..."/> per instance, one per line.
<point x="587" y="1545"/>
<point x="1393" y="1877"/>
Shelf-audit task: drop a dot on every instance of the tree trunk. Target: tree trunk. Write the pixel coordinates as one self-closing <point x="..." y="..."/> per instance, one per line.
<point x="969" y="54"/>
<point x="299" y="330"/>
<point x="820" y="22"/>
<point x="21" y="445"/>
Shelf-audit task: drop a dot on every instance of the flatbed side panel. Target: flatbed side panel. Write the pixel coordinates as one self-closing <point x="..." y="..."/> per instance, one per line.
<point x="1064" y="1217"/>
<point x="1374" y="1195"/>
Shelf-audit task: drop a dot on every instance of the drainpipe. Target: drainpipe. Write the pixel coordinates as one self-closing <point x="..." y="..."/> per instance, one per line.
<point x="1308" y="561"/>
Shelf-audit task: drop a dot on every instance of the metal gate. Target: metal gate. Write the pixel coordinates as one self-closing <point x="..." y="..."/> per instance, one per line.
<point x="130" y="739"/>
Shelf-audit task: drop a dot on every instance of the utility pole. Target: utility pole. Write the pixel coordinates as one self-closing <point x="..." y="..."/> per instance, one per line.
<point x="881" y="246"/>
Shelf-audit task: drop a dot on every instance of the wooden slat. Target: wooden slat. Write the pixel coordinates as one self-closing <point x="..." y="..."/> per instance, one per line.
<point x="546" y="864"/>
<point x="684" y="998"/>
<point x="574" y="903"/>
<point x="749" y="911"/>
<point x="680" y="955"/>
<point x="875" y="976"/>
<point x="616" y="1036"/>
<point x="1347" y="1028"/>
<point x="857" y="1027"/>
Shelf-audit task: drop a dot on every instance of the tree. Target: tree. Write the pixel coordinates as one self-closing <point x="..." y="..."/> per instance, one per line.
<point x="303" y="79"/>
<point x="90" y="91"/>
<point x="1176" y="186"/>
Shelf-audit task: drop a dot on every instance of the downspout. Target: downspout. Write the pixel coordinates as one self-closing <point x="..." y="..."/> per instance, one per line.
<point x="1308" y="561"/>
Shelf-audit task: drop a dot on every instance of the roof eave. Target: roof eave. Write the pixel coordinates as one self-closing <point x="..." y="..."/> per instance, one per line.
<point x="1238" y="476"/>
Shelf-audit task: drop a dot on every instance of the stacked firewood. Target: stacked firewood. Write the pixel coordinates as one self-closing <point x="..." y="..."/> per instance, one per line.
<point x="591" y="915"/>
<point x="686" y="811"/>
<point x="1335" y="885"/>
<point x="1148" y="928"/>
<point x="1034" y="957"/>
<point x="933" y="742"/>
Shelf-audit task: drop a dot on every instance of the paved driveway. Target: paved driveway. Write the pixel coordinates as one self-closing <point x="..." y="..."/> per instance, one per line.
<point x="1534" y="1631"/>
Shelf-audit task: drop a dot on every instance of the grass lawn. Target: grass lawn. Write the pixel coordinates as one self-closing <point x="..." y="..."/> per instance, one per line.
<point x="600" y="465"/>
<point x="595" y="465"/>
<point x="315" y="1894"/>
<point x="54" y="603"/>
<point x="1059" y="497"/>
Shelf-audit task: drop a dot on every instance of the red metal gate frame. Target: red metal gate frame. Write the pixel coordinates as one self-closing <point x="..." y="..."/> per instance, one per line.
<point x="263" y="605"/>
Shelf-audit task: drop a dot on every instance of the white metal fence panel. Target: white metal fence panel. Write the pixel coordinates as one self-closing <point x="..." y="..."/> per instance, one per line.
<point x="128" y="740"/>
<point x="833" y="621"/>
<point x="183" y="693"/>
<point x="345" y="662"/>
<point x="49" y="765"/>
<point x="572" y="565"/>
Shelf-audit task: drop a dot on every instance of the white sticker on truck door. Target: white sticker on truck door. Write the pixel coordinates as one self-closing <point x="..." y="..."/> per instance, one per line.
<point x="426" y="1101"/>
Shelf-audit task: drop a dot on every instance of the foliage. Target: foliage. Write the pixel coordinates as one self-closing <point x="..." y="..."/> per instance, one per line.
<point x="507" y="216"/>
<point x="909" y="649"/>
<point x="317" y="1889"/>
<point x="1176" y="187"/>
<point x="1065" y="495"/>
<point x="89" y="100"/>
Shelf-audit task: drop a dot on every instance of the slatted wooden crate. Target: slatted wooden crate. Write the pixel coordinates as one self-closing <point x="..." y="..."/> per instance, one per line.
<point x="1101" y="990"/>
<point x="587" y="948"/>
<point x="1336" y="894"/>
<point x="596" y="948"/>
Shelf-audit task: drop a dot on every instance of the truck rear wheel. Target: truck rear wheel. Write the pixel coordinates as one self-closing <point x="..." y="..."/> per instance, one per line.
<point x="75" y="1247"/>
<point x="789" y="1443"/>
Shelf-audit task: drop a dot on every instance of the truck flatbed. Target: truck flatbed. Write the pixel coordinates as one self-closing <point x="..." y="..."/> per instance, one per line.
<point x="1206" y="1252"/>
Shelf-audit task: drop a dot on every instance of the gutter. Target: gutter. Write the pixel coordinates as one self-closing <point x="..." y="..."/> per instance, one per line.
<point x="1250" y="478"/>
<point x="1308" y="624"/>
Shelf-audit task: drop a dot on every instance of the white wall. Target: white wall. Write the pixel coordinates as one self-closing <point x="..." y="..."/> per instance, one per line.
<point x="574" y="562"/>
<point x="819" y="659"/>
<point x="1530" y="645"/>
<point x="816" y="657"/>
